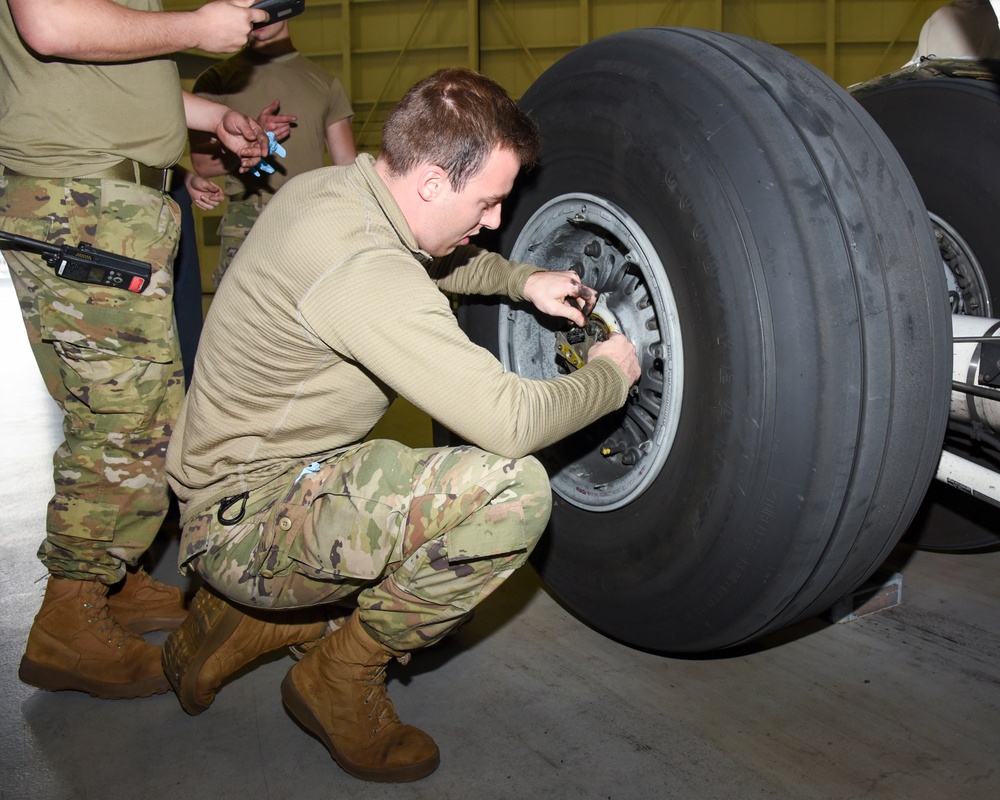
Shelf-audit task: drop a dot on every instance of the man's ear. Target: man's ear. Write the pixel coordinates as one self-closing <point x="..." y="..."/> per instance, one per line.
<point x="431" y="182"/>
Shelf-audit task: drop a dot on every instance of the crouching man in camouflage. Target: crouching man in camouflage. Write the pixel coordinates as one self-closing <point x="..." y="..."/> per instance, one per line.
<point x="333" y="306"/>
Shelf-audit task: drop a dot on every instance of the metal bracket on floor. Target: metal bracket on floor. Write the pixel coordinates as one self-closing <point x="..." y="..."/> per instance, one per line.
<point x="868" y="598"/>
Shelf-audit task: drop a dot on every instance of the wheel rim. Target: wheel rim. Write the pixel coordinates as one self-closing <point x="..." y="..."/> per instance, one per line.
<point x="968" y="290"/>
<point x="614" y="461"/>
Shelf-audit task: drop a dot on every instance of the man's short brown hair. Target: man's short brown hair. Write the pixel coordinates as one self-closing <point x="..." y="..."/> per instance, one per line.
<point x="455" y="119"/>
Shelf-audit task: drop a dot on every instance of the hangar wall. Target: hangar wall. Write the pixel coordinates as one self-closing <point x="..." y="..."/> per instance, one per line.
<point x="379" y="48"/>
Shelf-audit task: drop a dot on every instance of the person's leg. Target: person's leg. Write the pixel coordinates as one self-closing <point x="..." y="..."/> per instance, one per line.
<point x="235" y="225"/>
<point x="109" y="358"/>
<point x="469" y="520"/>
<point x="187" y="283"/>
<point x="434" y="529"/>
<point x="417" y="537"/>
<point x="473" y="518"/>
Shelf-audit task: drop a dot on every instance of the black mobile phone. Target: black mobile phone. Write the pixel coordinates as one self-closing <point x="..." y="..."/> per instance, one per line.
<point x="278" y="10"/>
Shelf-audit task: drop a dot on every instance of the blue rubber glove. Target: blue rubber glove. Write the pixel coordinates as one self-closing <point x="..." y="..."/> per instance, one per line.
<point x="273" y="147"/>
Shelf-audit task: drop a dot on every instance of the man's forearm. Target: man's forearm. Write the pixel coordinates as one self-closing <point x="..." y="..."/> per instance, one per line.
<point x="237" y="133"/>
<point x="471" y="270"/>
<point x="211" y="165"/>
<point x="103" y="31"/>
<point x="202" y="114"/>
<point x="99" y="30"/>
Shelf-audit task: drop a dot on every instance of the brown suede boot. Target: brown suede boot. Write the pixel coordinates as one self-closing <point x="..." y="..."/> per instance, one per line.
<point x="218" y="638"/>
<point x="76" y="644"/>
<point x="337" y="691"/>
<point x="143" y="604"/>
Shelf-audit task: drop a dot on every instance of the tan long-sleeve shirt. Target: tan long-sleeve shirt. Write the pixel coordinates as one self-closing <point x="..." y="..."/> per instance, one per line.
<point x="328" y="311"/>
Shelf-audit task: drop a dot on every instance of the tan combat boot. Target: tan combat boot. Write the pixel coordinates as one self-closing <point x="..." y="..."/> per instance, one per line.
<point x="76" y="644"/>
<point x="143" y="604"/>
<point x="218" y="638"/>
<point x="337" y="691"/>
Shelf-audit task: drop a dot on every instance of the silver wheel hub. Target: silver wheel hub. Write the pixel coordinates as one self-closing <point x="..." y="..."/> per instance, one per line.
<point x="968" y="291"/>
<point x="611" y="463"/>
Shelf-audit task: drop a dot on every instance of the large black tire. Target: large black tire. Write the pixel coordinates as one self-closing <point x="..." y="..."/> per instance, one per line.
<point x="758" y="237"/>
<point x="942" y="117"/>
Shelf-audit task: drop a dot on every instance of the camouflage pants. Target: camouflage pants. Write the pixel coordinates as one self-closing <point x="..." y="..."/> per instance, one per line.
<point x="414" y="537"/>
<point x="108" y="357"/>
<point x="238" y="219"/>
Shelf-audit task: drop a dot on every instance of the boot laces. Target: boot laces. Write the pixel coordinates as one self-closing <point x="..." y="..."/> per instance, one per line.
<point x="101" y="617"/>
<point x="383" y="713"/>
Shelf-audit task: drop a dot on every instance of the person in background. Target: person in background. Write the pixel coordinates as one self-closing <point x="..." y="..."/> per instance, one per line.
<point x="961" y="29"/>
<point x="92" y="118"/>
<point x="190" y="189"/>
<point x="336" y="303"/>
<point x="269" y="76"/>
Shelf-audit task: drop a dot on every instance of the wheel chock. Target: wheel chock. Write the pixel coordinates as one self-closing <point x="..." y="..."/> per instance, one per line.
<point x="868" y="598"/>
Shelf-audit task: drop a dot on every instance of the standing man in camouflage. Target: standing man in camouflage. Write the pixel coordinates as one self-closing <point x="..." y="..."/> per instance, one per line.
<point x="91" y="119"/>
<point x="332" y="306"/>
<point x="270" y="74"/>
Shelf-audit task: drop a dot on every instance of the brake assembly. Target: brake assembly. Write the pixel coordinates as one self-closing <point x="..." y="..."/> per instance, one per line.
<point x="573" y="346"/>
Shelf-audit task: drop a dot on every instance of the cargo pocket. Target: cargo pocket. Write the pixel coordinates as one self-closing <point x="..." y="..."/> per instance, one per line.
<point x="112" y="360"/>
<point x="86" y="519"/>
<point x="340" y="536"/>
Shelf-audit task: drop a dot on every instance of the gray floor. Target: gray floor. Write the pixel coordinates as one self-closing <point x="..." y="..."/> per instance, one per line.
<point x="526" y="701"/>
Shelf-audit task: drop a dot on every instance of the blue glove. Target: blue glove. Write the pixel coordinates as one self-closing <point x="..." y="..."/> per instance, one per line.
<point x="263" y="166"/>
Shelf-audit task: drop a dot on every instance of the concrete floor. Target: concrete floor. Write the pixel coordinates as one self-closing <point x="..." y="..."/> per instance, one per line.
<point x="527" y="702"/>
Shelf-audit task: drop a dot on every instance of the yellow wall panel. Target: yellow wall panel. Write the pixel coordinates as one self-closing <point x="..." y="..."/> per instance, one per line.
<point x="382" y="46"/>
<point x="323" y="29"/>
<point x="610" y="15"/>
<point x="553" y="23"/>
<point x="788" y="21"/>
<point x="863" y="20"/>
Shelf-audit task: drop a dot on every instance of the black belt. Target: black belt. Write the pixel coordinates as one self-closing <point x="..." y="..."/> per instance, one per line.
<point x="127" y="170"/>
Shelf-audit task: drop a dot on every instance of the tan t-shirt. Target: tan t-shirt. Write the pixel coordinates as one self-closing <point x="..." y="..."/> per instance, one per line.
<point x="327" y="312"/>
<point x="60" y="119"/>
<point x="249" y="81"/>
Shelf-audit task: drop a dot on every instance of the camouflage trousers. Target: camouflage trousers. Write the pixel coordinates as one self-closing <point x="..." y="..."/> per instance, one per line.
<point x="110" y="360"/>
<point x="415" y="538"/>
<point x="238" y="219"/>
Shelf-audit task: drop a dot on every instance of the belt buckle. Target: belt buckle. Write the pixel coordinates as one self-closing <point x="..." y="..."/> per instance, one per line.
<point x="152" y="178"/>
